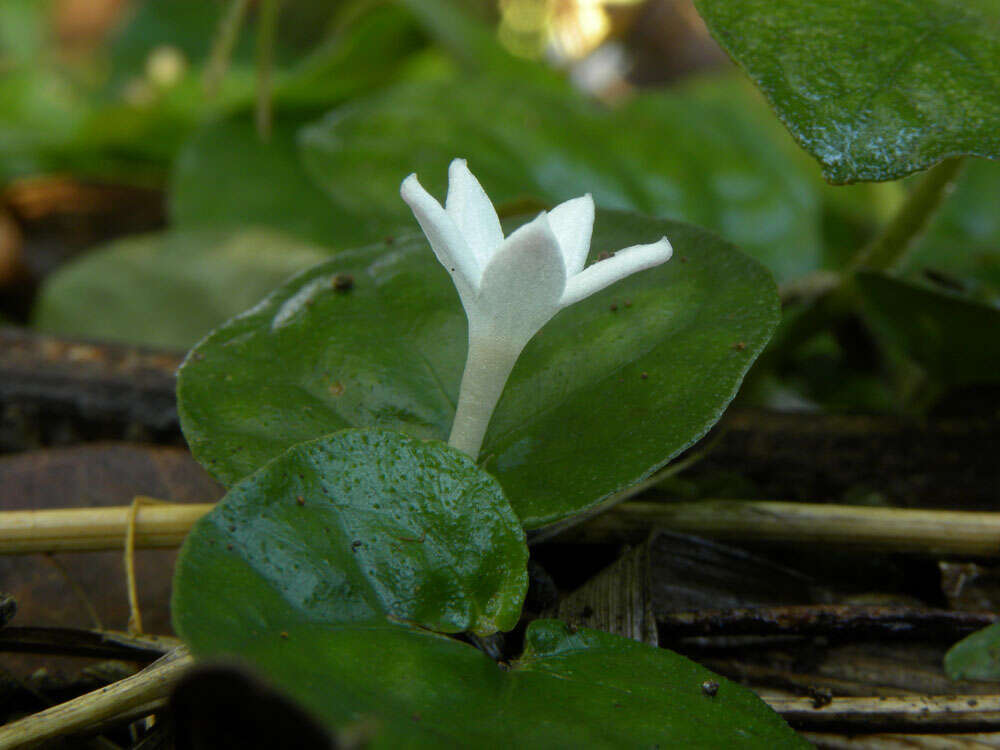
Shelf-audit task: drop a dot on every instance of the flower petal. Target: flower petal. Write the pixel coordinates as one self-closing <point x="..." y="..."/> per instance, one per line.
<point x="521" y="286"/>
<point x="472" y="211"/>
<point x="445" y="238"/>
<point x="573" y="222"/>
<point x="624" y="263"/>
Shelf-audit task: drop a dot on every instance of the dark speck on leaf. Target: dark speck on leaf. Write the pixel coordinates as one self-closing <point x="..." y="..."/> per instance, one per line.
<point x="232" y="529"/>
<point x="343" y="282"/>
<point x="684" y="259"/>
<point x="603" y="256"/>
<point x="389" y="240"/>
<point x="644" y="376"/>
<point x="710" y="688"/>
<point x="416" y="716"/>
<point x="628" y="303"/>
<point x="300" y="500"/>
<point x="355" y="544"/>
<point x="284" y="634"/>
<point x="740" y="346"/>
<point x="614" y="308"/>
<point x="229" y="547"/>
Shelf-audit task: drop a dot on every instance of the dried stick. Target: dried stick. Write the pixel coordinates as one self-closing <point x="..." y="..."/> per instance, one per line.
<point x="133" y="697"/>
<point x="903" y="741"/>
<point x="872" y="715"/>
<point x="824" y="619"/>
<point x="79" y="529"/>
<point x="931" y="532"/>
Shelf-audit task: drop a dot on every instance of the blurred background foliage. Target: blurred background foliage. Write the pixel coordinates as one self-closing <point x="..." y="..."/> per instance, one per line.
<point x="245" y="151"/>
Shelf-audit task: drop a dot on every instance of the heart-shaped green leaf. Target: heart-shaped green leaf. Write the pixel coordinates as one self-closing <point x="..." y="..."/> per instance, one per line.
<point x="952" y="337"/>
<point x="168" y="289"/>
<point x="874" y="89"/>
<point x="609" y="391"/>
<point x="352" y="528"/>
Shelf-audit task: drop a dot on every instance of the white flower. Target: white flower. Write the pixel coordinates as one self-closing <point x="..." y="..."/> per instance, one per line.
<point x="510" y="287"/>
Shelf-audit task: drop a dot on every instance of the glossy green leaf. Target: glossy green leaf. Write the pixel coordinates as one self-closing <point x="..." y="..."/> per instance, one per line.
<point x="610" y="390"/>
<point x="570" y="689"/>
<point x="716" y="161"/>
<point x="168" y="289"/>
<point x="975" y="657"/>
<point x="874" y="90"/>
<point x="325" y="568"/>
<point x="353" y="528"/>
<point x="953" y="338"/>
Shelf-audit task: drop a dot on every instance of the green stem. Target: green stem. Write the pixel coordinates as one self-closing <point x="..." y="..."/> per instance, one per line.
<point x="891" y="245"/>
<point x="225" y="41"/>
<point x="268" y="21"/>
<point x="824" y="301"/>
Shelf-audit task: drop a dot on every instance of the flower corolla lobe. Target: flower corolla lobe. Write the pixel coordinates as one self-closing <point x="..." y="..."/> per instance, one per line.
<point x="510" y="287"/>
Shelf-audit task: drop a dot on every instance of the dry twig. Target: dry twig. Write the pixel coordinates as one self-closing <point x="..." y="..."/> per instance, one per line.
<point x="131" y="698"/>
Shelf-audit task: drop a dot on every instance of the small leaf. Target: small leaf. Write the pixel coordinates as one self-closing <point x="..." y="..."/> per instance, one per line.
<point x="975" y="657"/>
<point x="951" y="337"/>
<point x="352" y="528"/>
<point x="610" y="390"/>
<point x="873" y="90"/>
<point x="168" y="289"/>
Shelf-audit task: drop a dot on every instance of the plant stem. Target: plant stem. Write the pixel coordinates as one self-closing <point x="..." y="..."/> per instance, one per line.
<point x="268" y="22"/>
<point x="222" y="47"/>
<point x="891" y="245"/>
<point x="486" y="369"/>
<point x="823" y="296"/>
